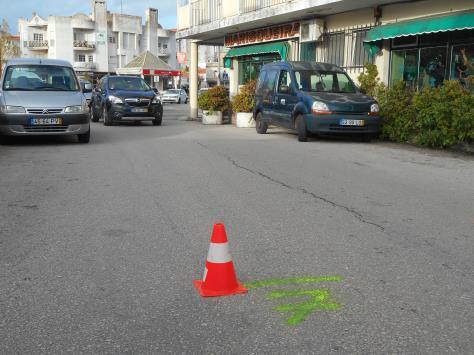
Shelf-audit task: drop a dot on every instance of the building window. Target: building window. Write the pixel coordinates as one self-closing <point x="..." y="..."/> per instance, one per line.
<point x="345" y="48"/>
<point x="91" y="58"/>
<point x="111" y="39"/>
<point x="81" y="58"/>
<point x="165" y="46"/>
<point x="37" y="36"/>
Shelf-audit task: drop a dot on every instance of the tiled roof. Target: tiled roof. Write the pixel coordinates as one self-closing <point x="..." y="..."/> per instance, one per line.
<point x="147" y="60"/>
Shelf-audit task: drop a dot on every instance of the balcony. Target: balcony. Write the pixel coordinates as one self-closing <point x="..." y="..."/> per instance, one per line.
<point x="84" y="65"/>
<point x="38" y="45"/>
<point x="83" y="45"/>
<point x="206" y="11"/>
<point x="163" y="52"/>
<point x="254" y="5"/>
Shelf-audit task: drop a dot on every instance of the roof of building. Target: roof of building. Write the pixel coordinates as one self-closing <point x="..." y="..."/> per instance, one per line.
<point x="147" y="60"/>
<point x="38" y="61"/>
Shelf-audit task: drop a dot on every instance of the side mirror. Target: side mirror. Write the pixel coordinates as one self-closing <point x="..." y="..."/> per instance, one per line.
<point x="156" y="90"/>
<point x="87" y="88"/>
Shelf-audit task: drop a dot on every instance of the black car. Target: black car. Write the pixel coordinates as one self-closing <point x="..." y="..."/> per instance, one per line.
<point x="125" y="98"/>
<point x="316" y="98"/>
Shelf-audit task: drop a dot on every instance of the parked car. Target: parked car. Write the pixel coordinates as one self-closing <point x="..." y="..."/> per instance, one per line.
<point x="42" y="97"/>
<point x="176" y="96"/>
<point x="312" y="97"/>
<point x="86" y="87"/>
<point x="125" y="98"/>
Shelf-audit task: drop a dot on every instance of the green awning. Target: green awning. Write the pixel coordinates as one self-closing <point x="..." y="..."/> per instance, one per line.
<point x="460" y="21"/>
<point x="276" y="47"/>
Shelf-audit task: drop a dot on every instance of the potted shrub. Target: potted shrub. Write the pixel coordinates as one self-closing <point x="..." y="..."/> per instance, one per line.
<point x="243" y="104"/>
<point x="213" y="103"/>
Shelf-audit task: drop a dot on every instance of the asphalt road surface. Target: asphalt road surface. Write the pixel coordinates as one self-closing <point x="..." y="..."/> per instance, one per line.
<point x="100" y="243"/>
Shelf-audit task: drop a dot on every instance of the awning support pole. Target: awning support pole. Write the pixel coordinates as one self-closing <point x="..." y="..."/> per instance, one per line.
<point x="193" y="81"/>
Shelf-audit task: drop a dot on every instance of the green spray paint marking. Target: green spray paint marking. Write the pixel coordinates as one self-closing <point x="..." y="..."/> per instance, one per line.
<point x="292" y="280"/>
<point x="320" y="300"/>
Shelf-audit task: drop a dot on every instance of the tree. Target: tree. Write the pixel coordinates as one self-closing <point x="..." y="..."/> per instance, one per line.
<point x="8" y="47"/>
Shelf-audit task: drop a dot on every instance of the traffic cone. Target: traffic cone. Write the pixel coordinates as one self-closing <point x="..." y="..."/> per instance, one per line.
<point x="219" y="275"/>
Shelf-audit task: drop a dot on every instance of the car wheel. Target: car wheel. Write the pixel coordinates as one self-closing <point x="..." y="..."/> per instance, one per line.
<point x="94" y="115"/>
<point x="106" y="117"/>
<point x="186" y="101"/>
<point x="301" y="129"/>
<point x="260" y="125"/>
<point x="179" y="101"/>
<point x="84" y="137"/>
<point x="158" y="118"/>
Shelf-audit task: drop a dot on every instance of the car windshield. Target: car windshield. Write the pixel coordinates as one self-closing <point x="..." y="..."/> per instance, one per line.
<point x="172" y="91"/>
<point x="324" y="81"/>
<point x="128" y="83"/>
<point x="40" y="78"/>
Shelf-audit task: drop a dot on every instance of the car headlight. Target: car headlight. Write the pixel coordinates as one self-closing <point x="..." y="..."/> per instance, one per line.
<point x="12" y="109"/>
<point x="320" y="108"/>
<point x="74" y="109"/>
<point x="374" y="110"/>
<point x="156" y="100"/>
<point x="115" y="100"/>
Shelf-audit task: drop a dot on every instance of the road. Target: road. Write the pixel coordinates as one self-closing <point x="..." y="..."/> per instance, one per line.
<point x="100" y="243"/>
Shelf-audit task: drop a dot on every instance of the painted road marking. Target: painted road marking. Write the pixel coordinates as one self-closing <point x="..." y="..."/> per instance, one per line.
<point x="319" y="299"/>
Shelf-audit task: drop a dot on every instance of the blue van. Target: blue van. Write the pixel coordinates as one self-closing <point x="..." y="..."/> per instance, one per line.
<point x="313" y="98"/>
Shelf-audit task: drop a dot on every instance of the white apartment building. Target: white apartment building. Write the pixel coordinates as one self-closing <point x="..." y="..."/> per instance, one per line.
<point x="98" y="43"/>
<point x="422" y="42"/>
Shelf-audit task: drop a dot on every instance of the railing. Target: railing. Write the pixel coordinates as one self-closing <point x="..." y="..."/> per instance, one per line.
<point x="345" y="48"/>
<point x="254" y="5"/>
<point x="206" y="11"/>
<point x="84" y="44"/>
<point x="163" y="51"/>
<point x="37" y="44"/>
<point x="84" y="65"/>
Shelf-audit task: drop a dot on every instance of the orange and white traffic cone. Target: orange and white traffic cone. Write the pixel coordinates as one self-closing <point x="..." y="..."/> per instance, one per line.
<point x="219" y="275"/>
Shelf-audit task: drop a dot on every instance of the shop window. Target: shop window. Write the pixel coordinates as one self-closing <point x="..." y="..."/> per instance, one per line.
<point x="405" y="67"/>
<point x="434" y="38"/>
<point x="249" y="67"/>
<point x="432" y="71"/>
<point x="462" y="65"/>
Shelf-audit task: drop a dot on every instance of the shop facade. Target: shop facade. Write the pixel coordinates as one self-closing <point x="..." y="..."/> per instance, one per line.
<point x="248" y="51"/>
<point x="438" y="46"/>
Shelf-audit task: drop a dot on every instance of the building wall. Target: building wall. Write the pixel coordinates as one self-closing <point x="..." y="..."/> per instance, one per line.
<point x="96" y="29"/>
<point x="184" y="17"/>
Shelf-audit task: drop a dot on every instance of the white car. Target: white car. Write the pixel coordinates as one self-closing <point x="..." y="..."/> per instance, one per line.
<point x="177" y="96"/>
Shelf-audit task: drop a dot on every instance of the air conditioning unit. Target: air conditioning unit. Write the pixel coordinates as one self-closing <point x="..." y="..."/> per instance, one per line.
<point x="311" y="31"/>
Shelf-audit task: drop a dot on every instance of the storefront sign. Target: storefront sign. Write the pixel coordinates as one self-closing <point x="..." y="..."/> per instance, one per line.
<point x="266" y="34"/>
<point x="161" y="72"/>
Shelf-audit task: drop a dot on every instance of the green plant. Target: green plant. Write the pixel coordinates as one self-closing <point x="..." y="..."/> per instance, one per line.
<point x="444" y="115"/>
<point x="369" y="80"/>
<point x="214" y="99"/>
<point x="245" y="100"/>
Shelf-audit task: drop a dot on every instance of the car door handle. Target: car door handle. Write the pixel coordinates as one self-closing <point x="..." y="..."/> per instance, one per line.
<point x="283" y="101"/>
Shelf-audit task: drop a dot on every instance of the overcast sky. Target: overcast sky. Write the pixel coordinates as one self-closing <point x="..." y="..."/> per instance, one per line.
<point x="11" y="10"/>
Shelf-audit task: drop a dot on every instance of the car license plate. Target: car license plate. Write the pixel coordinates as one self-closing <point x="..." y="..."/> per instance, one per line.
<point x="46" y="121"/>
<point x="346" y="122"/>
<point x="139" y="110"/>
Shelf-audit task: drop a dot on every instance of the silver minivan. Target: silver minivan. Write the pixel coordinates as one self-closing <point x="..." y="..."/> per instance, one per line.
<point x="42" y="97"/>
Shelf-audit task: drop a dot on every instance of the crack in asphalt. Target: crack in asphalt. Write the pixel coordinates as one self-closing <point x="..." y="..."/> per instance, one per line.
<point x="302" y="190"/>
